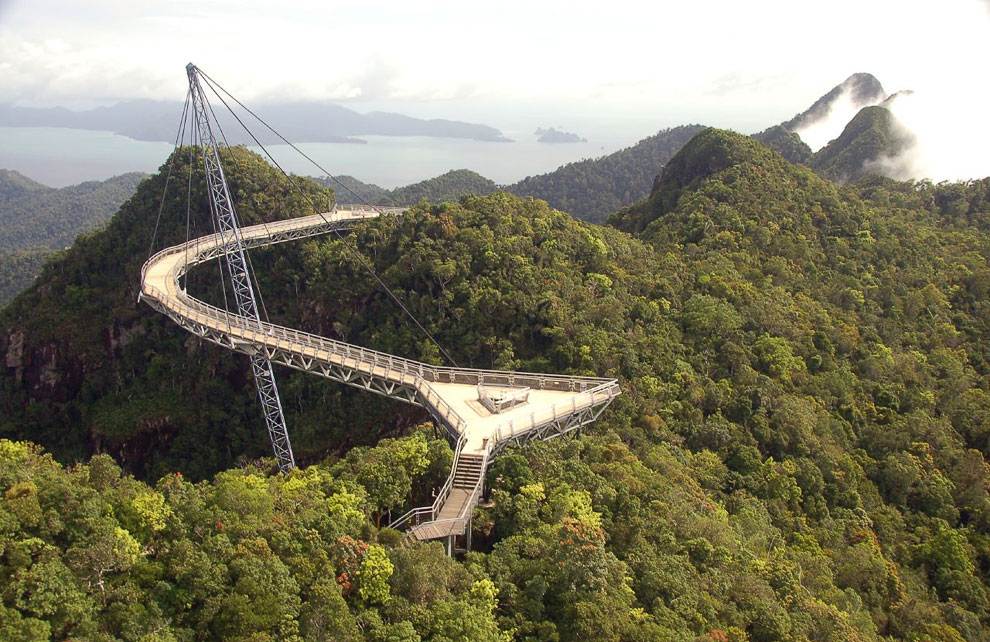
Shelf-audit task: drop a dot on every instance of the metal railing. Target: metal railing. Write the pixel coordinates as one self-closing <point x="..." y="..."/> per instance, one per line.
<point x="497" y="399"/>
<point x="588" y="399"/>
<point x="414" y="517"/>
<point x="407" y="372"/>
<point x="478" y="487"/>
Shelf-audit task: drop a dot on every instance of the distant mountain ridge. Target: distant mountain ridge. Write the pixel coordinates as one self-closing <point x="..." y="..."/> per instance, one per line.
<point x="149" y="120"/>
<point x="37" y="220"/>
<point x="448" y="187"/>
<point x="14" y="184"/>
<point x="593" y="188"/>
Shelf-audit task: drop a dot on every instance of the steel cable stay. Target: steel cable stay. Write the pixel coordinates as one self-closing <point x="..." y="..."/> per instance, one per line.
<point x="179" y="136"/>
<point x="217" y="89"/>
<point x="196" y="141"/>
<point x="230" y="158"/>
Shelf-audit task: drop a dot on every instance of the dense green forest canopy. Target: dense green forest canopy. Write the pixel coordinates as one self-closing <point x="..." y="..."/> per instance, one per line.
<point x="14" y="184"/>
<point x="446" y="188"/>
<point x="800" y="452"/>
<point x="786" y="143"/>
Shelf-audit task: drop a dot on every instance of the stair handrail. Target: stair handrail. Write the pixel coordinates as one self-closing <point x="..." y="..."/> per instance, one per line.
<point x="472" y="501"/>
<point x="463" y="518"/>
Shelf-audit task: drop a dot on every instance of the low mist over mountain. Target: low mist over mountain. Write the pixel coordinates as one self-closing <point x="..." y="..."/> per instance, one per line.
<point x="869" y="138"/>
<point x="838" y="105"/>
<point x="299" y="122"/>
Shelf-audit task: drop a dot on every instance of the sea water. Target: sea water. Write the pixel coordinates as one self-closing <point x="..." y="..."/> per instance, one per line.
<point x="58" y="157"/>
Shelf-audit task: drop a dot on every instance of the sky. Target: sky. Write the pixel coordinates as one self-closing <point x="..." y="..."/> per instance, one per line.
<point x="742" y="65"/>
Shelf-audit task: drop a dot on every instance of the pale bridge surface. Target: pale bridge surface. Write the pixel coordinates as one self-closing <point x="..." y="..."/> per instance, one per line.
<point x="554" y="405"/>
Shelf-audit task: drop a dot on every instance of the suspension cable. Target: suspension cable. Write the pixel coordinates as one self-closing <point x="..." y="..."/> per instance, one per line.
<point x="214" y="85"/>
<point x="212" y="82"/>
<point x="185" y="274"/>
<point x="171" y="164"/>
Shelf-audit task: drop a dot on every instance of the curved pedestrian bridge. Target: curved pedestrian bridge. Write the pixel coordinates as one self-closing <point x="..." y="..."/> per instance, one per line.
<point x="483" y="410"/>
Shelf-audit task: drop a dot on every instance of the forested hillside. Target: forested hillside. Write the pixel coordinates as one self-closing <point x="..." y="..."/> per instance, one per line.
<point x="36" y="220"/>
<point x="14" y="184"/>
<point x="786" y="143"/>
<point x="592" y="189"/>
<point x="446" y="188"/>
<point x="353" y="190"/>
<point x="799" y="453"/>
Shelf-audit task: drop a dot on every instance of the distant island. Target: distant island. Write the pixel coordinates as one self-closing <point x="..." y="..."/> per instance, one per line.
<point x="552" y="135"/>
<point x="301" y="122"/>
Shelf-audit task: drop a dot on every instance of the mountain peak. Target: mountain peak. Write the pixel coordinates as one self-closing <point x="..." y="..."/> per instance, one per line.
<point x="13" y="183"/>
<point x="710" y="152"/>
<point x="872" y="134"/>
<point x="860" y="89"/>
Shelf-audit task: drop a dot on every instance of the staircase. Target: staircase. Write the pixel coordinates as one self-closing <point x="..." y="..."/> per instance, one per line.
<point x="450" y="515"/>
<point x="468" y="471"/>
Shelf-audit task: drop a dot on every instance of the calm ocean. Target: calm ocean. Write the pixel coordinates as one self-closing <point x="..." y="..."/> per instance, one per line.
<point x="58" y="157"/>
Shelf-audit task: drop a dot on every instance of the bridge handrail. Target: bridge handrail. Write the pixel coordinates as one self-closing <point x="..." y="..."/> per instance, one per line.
<point x="460" y="521"/>
<point x="587" y="399"/>
<point x="478" y="487"/>
<point x="393" y="368"/>
<point x="535" y="380"/>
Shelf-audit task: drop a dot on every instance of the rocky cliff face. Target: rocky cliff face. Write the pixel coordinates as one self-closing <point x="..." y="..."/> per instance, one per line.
<point x="45" y="371"/>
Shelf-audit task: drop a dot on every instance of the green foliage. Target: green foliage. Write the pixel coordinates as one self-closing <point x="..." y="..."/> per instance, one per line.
<point x="786" y="143"/>
<point x="90" y="554"/>
<point x="446" y="188"/>
<point x="18" y="268"/>
<point x="799" y="453"/>
<point x="372" y="576"/>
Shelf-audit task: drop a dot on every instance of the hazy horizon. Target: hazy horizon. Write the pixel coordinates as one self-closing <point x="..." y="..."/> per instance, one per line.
<point x="627" y="72"/>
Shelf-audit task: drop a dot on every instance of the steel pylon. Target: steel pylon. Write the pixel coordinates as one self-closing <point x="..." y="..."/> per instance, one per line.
<point x="222" y="208"/>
